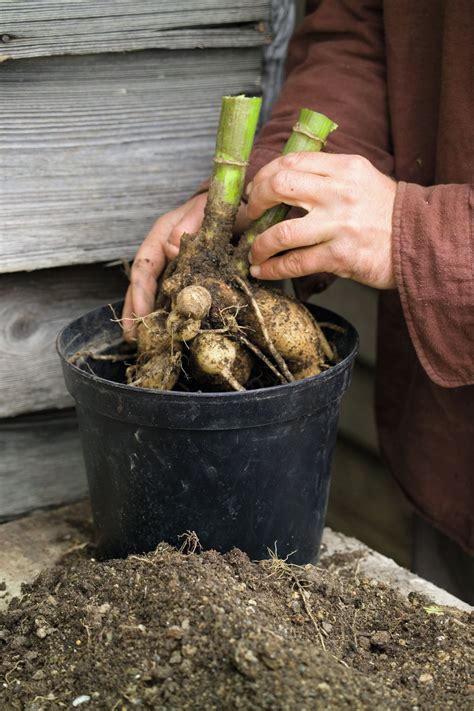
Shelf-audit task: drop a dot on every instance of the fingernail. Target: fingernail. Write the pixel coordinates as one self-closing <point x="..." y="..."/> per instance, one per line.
<point x="173" y="249"/>
<point x="248" y="188"/>
<point x="255" y="271"/>
<point x="250" y="257"/>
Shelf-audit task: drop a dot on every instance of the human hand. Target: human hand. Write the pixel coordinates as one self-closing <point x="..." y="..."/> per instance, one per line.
<point x="347" y="230"/>
<point x="161" y="243"/>
<point x="159" y="246"/>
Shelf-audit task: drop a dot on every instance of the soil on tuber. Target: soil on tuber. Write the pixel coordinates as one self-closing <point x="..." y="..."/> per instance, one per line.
<point x="214" y="326"/>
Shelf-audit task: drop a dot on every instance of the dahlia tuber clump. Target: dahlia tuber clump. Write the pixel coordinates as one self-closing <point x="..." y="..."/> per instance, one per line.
<point x="214" y="327"/>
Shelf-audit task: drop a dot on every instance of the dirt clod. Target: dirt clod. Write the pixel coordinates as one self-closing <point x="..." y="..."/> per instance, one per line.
<point x="204" y="631"/>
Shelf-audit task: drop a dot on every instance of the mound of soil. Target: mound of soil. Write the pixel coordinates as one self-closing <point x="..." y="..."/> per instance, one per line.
<point x="170" y="630"/>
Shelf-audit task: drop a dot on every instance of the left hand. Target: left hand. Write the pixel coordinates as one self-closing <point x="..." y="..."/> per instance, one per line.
<point x="347" y="230"/>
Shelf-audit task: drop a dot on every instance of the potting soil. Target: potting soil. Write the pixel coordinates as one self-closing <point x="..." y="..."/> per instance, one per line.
<point x="171" y="630"/>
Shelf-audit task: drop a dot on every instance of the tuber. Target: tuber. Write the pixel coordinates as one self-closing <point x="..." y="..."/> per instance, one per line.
<point x="221" y="361"/>
<point x="217" y="328"/>
<point x="194" y="302"/>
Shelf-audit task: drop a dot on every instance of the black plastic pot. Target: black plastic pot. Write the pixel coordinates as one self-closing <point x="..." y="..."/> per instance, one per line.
<point x="248" y="469"/>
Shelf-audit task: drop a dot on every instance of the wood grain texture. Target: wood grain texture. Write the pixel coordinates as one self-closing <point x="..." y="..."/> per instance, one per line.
<point x="40" y="463"/>
<point x="94" y="148"/>
<point x="33" y="28"/>
<point x="274" y="55"/>
<point x="33" y="308"/>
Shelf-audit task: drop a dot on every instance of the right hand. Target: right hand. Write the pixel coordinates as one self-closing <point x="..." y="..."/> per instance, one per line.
<point x="161" y="244"/>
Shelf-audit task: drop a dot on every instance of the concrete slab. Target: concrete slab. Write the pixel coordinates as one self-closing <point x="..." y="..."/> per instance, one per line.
<point x="34" y="542"/>
<point x="374" y="565"/>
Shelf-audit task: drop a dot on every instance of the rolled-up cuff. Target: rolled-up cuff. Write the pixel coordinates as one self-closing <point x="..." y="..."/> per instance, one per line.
<point x="433" y="263"/>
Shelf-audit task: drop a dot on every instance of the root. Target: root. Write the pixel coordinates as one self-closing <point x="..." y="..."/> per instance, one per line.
<point x="255" y="349"/>
<point x="201" y="292"/>
<point x="132" y="319"/>
<point x="281" y="569"/>
<point x="191" y="543"/>
<point x="233" y="382"/>
<point x="258" y="315"/>
<point x="160" y="373"/>
<point x="323" y="342"/>
<point x="136" y="319"/>
<point x="219" y="359"/>
<point x="303" y="594"/>
<point x="232" y="327"/>
<point x="332" y="326"/>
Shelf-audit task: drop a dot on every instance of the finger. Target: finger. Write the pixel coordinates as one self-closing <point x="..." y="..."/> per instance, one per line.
<point x="190" y="222"/>
<point x="292" y="187"/>
<point x="129" y="326"/>
<point x="151" y="257"/>
<point x="171" y="251"/>
<point x="323" y="164"/>
<point x="289" y="234"/>
<point x="296" y="263"/>
<point x="148" y="264"/>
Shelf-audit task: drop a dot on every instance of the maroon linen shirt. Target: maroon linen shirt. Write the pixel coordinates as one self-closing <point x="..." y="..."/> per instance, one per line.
<point x="396" y="75"/>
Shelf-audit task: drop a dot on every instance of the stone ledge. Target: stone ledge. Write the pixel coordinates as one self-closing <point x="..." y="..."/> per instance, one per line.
<point x="34" y="542"/>
<point x="378" y="567"/>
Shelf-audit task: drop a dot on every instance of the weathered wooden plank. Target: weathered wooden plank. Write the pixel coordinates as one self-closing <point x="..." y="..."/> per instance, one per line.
<point x="99" y="42"/>
<point x="40" y="463"/>
<point x="274" y="54"/>
<point x="44" y="28"/>
<point x="365" y="502"/>
<point x="94" y="148"/>
<point x="182" y="14"/>
<point x="358" y="304"/>
<point x="33" y="307"/>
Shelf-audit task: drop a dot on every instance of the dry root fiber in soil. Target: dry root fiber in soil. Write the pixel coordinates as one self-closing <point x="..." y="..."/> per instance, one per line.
<point x="174" y="630"/>
<point x="213" y="325"/>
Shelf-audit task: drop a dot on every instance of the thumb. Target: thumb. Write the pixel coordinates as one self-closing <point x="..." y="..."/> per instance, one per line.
<point x="190" y="222"/>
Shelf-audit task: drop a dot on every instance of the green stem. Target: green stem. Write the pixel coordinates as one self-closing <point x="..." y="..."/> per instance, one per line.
<point x="309" y="135"/>
<point x="235" y="134"/>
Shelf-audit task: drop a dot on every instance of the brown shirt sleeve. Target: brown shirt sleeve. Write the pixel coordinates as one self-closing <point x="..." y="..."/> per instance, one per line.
<point x="433" y="260"/>
<point x="336" y="65"/>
